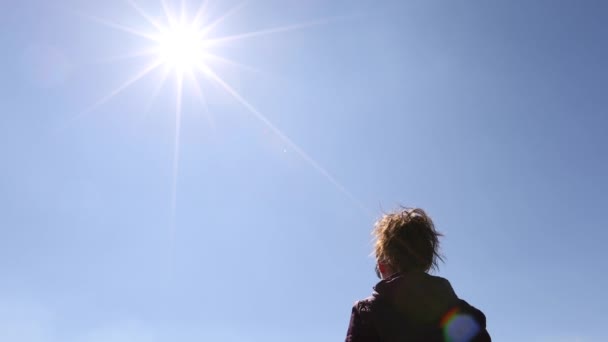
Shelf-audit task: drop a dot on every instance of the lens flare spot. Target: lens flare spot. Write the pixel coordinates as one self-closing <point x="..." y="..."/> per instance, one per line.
<point x="460" y="327"/>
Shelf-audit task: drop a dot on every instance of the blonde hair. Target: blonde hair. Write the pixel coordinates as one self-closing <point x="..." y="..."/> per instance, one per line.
<point x="406" y="239"/>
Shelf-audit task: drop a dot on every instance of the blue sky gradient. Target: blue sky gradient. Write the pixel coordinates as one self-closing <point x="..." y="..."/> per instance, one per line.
<point x="490" y="115"/>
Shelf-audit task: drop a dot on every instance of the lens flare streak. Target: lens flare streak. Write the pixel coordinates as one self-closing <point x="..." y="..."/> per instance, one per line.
<point x="211" y="74"/>
<point x="124" y="86"/>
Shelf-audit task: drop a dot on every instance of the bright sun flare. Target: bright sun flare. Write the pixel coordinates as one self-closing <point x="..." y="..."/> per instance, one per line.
<point x="181" y="44"/>
<point x="181" y="47"/>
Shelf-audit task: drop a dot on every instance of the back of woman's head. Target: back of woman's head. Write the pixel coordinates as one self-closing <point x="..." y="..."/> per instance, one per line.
<point x="406" y="240"/>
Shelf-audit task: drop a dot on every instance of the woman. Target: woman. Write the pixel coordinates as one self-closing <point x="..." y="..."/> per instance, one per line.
<point x="408" y="304"/>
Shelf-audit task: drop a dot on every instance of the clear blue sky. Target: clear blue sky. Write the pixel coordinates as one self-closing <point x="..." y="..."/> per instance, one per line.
<point x="490" y="115"/>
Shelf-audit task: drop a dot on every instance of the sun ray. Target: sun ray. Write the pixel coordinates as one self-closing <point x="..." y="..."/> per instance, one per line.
<point x="198" y="17"/>
<point x="132" y="55"/>
<point x="201" y="97"/>
<point x="220" y="40"/>
<point x="123" y="86"/>
<point x="219" y="20"/>
<point x="175" y="171"/>
<point x="156" y="91"/>
<point x="120" y="27"/>
<point x="182" y="11"/>
<point x="258" y="115"/>
<point x="176" y="144"/>
<point x="231" y="62"/>
<point x="168" y="13"/>
<point x="145" y="15"/>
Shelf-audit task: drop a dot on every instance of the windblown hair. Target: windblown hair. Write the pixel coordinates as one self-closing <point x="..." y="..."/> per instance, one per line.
<point x="406" y="239"/>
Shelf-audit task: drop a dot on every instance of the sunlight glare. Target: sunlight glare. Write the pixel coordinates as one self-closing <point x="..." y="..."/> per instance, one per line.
<point x="184" y="48"/>
<point x="181" y="47"/>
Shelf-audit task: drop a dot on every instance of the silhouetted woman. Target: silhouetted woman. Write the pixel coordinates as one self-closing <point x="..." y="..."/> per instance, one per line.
<point x="408" y="304"/>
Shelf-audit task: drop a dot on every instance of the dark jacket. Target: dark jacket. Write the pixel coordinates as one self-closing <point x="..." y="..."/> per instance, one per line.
<point x="415" y="307"/>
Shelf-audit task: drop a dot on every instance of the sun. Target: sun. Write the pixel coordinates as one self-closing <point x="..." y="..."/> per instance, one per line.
<point x="181" y="47"/>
